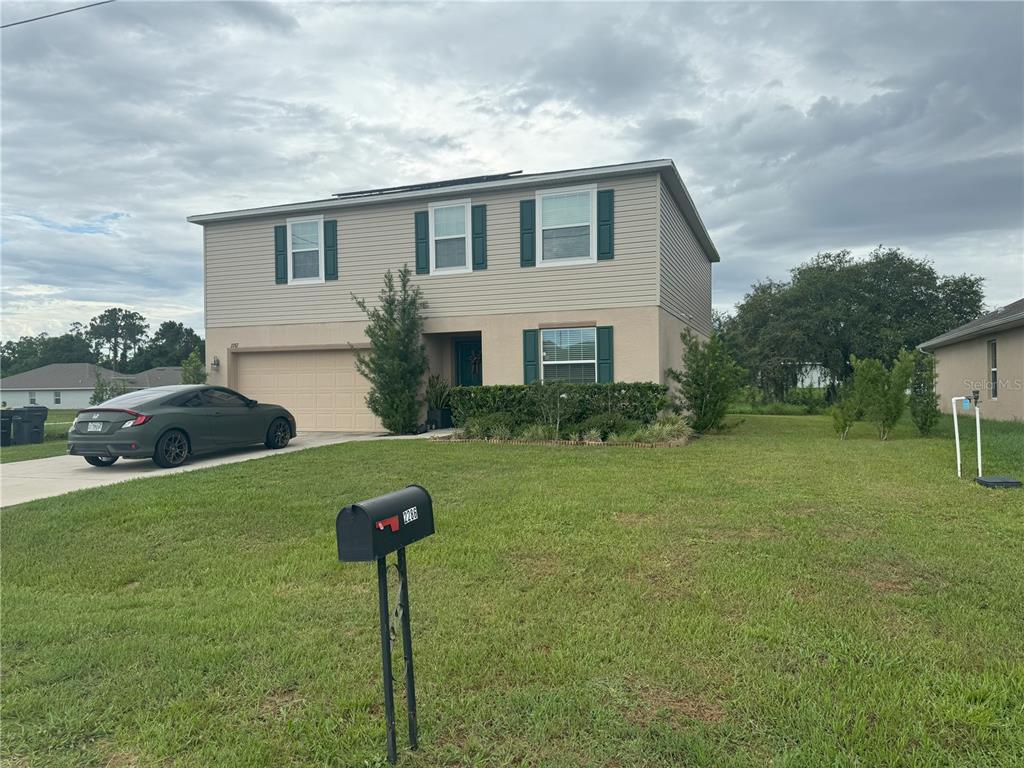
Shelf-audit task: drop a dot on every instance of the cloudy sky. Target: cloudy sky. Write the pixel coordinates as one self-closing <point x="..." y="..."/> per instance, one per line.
<point x="797" y="128"/>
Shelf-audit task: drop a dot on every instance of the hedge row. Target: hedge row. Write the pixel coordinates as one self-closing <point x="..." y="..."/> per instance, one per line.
<point x="542" y="403"/>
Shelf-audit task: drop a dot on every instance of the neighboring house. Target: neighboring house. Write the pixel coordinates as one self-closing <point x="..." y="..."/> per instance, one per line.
<point x="581" y="275"/>
<point x="70" y="385"/>
<point x="986" y="354"/>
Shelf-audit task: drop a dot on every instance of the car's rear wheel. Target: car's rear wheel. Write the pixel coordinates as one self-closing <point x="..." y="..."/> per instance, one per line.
<point x="171" y="449"/>
<point x="101" y="461"/>
<point x="279" y="434"/>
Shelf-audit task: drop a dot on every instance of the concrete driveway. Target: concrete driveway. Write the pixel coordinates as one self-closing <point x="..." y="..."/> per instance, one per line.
<point x="22" y="481"/>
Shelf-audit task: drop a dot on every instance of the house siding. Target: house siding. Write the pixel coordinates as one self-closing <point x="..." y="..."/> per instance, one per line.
<point x="239" y="263"/>
<point x="963" y="366"/>
<point x="684" y="284"/>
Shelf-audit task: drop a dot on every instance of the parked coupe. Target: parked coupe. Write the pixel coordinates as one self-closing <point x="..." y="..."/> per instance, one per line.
<point x="169" y="424"/>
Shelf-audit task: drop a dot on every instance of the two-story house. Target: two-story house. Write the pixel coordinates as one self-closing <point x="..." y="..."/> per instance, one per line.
<point x="580" y="275"/>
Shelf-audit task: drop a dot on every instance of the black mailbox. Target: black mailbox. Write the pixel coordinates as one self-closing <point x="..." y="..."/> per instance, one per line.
<point x="371" y="530"/>
<point x="376" y="527"/>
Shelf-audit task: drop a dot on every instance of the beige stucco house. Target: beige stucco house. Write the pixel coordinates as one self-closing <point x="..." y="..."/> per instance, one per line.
<point x="580" y="275"/>
<point x="986" y="354"/>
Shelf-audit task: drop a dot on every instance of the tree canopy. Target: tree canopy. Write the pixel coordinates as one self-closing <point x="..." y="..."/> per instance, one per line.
<point x="116" y="338"/>
<point x="835" y="306"/>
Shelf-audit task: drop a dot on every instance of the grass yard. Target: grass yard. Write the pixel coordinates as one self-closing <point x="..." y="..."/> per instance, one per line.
<point x="770" y="596"/>
<point x="55" y="439"/>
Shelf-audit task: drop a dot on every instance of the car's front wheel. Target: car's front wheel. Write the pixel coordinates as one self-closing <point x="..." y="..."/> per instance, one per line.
<point x="101" y="461"/>
<point x="279" y="434"/>
<point x="171" y="449"/>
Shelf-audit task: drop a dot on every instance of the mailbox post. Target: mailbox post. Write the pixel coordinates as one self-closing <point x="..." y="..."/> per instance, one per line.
<point x="371" y="530"/>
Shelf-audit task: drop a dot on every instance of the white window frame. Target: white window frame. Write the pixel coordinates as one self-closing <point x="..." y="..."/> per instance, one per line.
<point x="320" y="239"/>
<point x="56" y="397"/>
<point x="568" y="362"/>
<point x="31" y="397"/>
<point x="468" y="267"/>
<point x="540" y="195"/>
<point x="992" y="359"/>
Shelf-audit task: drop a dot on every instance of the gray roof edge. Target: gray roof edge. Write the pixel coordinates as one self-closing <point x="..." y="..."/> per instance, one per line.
<point x="1005" y="322"/>
<point x="666" y="167"/>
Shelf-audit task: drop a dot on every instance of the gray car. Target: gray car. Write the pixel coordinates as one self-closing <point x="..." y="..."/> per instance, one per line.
<point x="169" y="424"/>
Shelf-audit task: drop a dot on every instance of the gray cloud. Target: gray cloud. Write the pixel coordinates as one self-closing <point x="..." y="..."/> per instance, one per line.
<point x="798" y="127"/>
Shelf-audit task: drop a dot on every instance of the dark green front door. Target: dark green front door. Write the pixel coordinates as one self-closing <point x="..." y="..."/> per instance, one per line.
<point x="469" y="364"/>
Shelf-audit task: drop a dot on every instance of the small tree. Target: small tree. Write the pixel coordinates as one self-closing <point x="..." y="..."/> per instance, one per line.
<point x="397" y="360"/>
<point x="880" y="393"/>
<point x="924" y="400"/>
<point x="106" y="389"/>
<point x="846" y="411"/>
<point x="192" y="369"/>
<point x="708" y="382"/>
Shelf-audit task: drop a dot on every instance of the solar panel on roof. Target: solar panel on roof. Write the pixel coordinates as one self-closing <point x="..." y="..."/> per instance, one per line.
<point x="428" y="185"/>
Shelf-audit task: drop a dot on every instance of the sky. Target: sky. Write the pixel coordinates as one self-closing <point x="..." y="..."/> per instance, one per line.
<point x="797" y="128"/>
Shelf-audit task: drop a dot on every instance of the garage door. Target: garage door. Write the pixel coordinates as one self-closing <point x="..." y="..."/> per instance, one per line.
<point x="322" y="389"/>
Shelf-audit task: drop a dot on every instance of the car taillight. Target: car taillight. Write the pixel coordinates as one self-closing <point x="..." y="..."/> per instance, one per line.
<point x="138" y="421"/>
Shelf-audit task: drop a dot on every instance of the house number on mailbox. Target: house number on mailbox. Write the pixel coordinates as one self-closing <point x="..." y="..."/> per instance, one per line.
<point x="410" y="515"/>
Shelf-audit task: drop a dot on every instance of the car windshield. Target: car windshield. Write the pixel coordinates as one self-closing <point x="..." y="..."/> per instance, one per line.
<point x="135" y="399"/>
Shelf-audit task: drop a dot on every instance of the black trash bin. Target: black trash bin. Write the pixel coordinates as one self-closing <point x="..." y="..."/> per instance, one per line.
<point x="28" y="424"/>
<point x="5" y="427"/>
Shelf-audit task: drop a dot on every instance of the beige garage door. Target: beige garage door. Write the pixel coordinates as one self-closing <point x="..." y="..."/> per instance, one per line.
<point x="322" y="389"/>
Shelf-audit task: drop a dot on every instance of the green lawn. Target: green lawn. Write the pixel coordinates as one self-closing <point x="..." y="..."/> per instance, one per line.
<point x="770" y="596"/>
<point x="55" y="439"/>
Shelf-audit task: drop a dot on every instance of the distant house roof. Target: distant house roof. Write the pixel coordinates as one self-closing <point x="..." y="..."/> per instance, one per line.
<point x="69" y="376"/>
<point x="59" y="376"/>
<point x="158" y="377"/>
<point x="1010" y="316"/>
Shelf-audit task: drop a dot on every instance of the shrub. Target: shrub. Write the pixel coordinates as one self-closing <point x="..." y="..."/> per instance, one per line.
<point x="880" y="394"/>
<point x="668" y="429"/>
<point x="501" y="432"/>
<point x="811" y="401"/>
<point x="924" y="400"/>
<point x="397" y="359"/>
<point x="708" y="382"/>
<point x="593" y="436"/>
<point x="539" y="432"/>
<point x="605" y="423"/>
<point x="500" y="425"/>
<point x="543" y="403"/>
<point x="438" y="392"/>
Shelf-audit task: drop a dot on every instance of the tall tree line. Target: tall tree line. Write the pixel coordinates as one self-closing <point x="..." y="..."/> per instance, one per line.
<point x="835" y="306"/>
<point x="116" y="338"/>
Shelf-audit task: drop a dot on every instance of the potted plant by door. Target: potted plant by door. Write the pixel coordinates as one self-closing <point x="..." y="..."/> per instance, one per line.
<point x="439" y="401"/>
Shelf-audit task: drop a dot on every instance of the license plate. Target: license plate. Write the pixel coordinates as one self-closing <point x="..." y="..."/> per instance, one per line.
<point x="94" y="426"/>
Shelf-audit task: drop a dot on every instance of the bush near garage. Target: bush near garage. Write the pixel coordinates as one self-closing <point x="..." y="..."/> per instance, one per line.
<point x="560" y="405"/>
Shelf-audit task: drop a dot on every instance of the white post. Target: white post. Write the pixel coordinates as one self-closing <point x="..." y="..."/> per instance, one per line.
<point x="977" y="433"/>
<point x="956" y="434"/>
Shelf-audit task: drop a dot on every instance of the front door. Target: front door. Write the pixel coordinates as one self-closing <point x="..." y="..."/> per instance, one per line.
<point x="469" y="363"/>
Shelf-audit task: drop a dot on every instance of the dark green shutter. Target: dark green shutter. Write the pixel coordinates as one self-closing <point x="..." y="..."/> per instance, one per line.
<point x="479" y="237"/>
<point x="605" y="225"/>
<point x="422" y="246"/>
<point x="331" y="250"/>
<point x="605" y="354"/>
<point x="531" y="365"/>
<point x="527" y="233"/>
<point x="281" y="253"/>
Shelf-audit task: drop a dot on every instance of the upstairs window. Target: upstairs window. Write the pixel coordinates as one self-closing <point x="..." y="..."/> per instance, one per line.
<point x="306" y="250"/>
<point x="56" y="398"/>
<point x="449" y="237"/>
<point x="565" y="234"/>
<point x="31" y="398"/>
<point x="569" y="355"/>
<point x="993" y="372"/>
